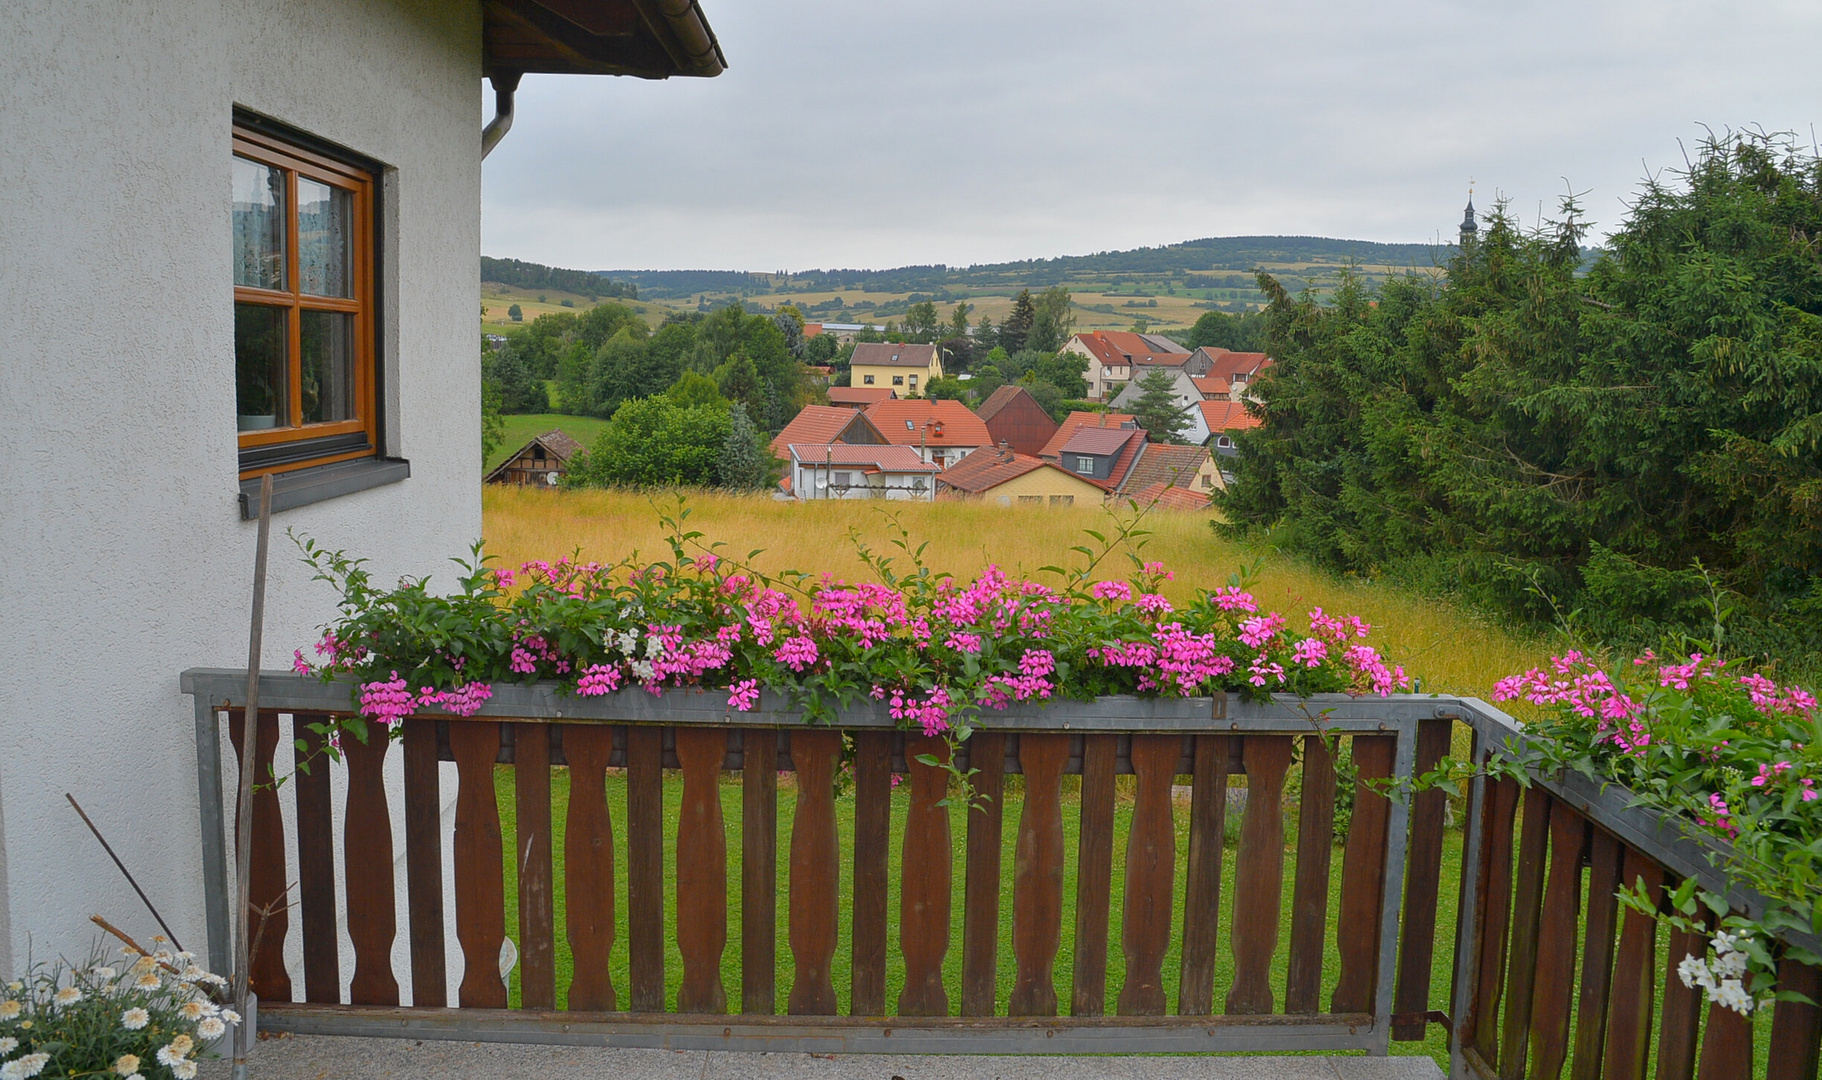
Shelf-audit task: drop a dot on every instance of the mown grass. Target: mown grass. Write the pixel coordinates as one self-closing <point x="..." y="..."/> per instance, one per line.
<point x="1450" y="649"/>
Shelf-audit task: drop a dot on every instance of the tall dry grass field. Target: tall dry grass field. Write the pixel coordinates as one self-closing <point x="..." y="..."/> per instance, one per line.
<point x="1453" y="651"/>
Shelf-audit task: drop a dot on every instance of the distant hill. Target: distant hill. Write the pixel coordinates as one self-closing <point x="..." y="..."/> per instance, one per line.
<point x="1190" y="262"/>
<point x="527" y="275"/>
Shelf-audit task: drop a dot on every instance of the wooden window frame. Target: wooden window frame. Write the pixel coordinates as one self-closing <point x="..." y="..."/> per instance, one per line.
<point x="296" y="445"/>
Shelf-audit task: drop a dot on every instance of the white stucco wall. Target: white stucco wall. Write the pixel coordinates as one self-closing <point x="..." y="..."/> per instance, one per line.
<point x="123" y="558"/>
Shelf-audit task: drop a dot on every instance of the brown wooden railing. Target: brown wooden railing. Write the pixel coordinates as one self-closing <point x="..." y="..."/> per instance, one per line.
<point x="1547" y="974"/>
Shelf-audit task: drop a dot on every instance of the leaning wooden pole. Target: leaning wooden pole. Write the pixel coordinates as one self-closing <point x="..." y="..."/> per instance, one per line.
<point x="243" y="827"/>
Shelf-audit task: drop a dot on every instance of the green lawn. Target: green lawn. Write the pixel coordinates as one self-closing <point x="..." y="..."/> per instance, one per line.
<point x="731" y="964"/>
<point x="521" y="428"/>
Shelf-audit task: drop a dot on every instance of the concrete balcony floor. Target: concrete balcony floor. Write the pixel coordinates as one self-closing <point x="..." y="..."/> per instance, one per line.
<point x="328" y="1057"/>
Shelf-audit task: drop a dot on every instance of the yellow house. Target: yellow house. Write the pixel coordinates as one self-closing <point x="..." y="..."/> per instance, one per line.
<point x="906" y="369"/>
<point x="1010" y="479"/>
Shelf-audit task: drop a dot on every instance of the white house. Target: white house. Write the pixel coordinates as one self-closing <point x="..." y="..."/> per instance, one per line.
<point x="844" y="471"/>
<point x="239" y="238"/>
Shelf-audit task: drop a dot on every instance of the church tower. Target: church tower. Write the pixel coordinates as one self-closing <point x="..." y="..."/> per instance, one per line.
<point x="1469" y="230"/>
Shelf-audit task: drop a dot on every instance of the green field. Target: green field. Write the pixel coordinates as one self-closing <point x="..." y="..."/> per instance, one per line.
<point x="521" y="428"/>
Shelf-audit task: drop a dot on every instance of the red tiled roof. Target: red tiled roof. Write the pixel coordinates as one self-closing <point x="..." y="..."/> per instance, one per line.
<point x="986" y="469"/>
<point x="891" y="354"/>
<point x="903" y="422"/>
<point x="1229" y="364"/>
<point x="1227" y="415"/>
<point x="1210" y="385"/>
<point x="882" y="458"/>
<point x="1171" y="498"/>
<point x="1076" y="420"/>
<point x="1120" y="347"/>
<point x="1163" y="464"/>
<point x="815" y="424"/>
<point x="1102" y="441"/>
<point x="811" y="329"/>
<point x="860" y="395"/>
<point x="998" y="400"/>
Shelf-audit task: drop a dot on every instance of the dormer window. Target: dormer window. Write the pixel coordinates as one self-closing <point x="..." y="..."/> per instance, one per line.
<point x="1084" y="464"/>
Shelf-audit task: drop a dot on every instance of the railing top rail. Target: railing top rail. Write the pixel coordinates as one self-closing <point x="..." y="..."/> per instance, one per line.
<point x="286" y="691"/>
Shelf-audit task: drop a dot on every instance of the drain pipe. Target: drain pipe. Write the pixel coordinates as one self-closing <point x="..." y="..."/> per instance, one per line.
<point x="504" y="84"/>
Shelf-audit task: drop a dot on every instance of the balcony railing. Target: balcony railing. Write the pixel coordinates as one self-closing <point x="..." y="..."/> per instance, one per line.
<point x="1111" y="888"/>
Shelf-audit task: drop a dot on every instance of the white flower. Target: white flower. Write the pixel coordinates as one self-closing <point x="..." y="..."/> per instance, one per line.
<point x="104" y="973"/>
<point x="135" y="1018"/>
<point x="211" y="1028"/>
<point x="643" y="669"/>
<point x="1732" y="995"/>
<point x="1730" y="965"/>
<point x="192" y="1010"/>
<point x="9" y="1009"/>
<point x="230" y="1016"/>
<point x="15" y="986"/>
<point x="184" y="1070"/>
<point x="1692" y="971"/>
<point x="127" y="1064"/>
<point x="186" y="955"/>
<point x="653" y="646"/>
<point x="1723" y="942"/>
<point x="628" y="639"/>
<point x="148" y="981"/>
<point x="8" y="1045"/>
<point x="137" y="1076"/>
<point x="20" y="1068"/>
<point x="69" y="995"/>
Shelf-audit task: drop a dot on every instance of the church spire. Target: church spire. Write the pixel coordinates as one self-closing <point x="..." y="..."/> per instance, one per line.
<point x="1469" y="229"/>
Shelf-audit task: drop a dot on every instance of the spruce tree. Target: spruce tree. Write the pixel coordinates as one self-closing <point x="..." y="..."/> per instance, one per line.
<point x="1157" y="410"/>
<point x="742" y="465"/>
<point x="1017" y="326"/>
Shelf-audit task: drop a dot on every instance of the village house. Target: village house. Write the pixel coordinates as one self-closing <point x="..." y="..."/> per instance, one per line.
<point x="859" y="397"/>
<point x="826" y="424"/>
<point x="1222" y="419"/>
<point x="942" y="432"/>
<point x="1187" y="468"/>
<point x="1184" y="391"/>
<point x="841" y="332"/>
<point x="999" y="474"/>
<point x="1102" y="456"/>
<point x="1238" y="370"/>
<point x="1013" y="417"/>
<point x="1111" y="355"/>
<point x="906" y="369"/>
<point x="1077" y="420"/>
<point x="843" y="471"/>
<point x="539" y="462"/>
<point x="268" y="215"/>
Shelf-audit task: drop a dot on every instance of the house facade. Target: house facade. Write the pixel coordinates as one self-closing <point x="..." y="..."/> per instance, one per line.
<point x="1111" y="355"/>
<point x="269" y="215"/>
<point x="538" y="463"/>
<point x="825" y="424"/>
<point x="942" y="432"/>
<point x="1002" y="476"/>
<point x="904" y="369"/>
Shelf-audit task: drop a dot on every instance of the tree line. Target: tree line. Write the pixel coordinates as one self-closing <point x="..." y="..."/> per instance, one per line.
<point x="527" y="275"/>
<point x="1629" y="449"/>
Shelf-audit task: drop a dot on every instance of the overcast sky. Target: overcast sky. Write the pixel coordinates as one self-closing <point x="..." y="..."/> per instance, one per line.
<point x="882" y="133"/>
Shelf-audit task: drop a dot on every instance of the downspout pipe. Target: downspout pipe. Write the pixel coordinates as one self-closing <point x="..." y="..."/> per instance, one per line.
<point x="505" y="84"/>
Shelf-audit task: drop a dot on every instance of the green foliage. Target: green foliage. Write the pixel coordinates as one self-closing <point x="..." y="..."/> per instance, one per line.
<point x="1052" y="321"/>
<point x="949" y="388"/>
<point x="921" y="324"/>
<point x="527" y="275"/>
<point x="519" y="390"/>
<point x="820" y="349"/>
<point x="653" y="442"/>
<point x="515" y="313"/>
<point x="744" y="464"/>
<point x="695" y="388"/>
<point x="1236" y="333"/>
<point x="493" y="425"/>
<point x="1552" y="441"/>
<point x="1157" y="409"/>
<point x="1019" y="320"/>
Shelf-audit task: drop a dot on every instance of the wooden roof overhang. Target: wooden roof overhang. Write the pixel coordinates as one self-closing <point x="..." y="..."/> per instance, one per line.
<point x="651" y="39"/>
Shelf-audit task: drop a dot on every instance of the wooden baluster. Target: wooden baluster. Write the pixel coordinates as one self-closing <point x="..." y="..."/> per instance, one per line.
<point x="645" y="867"/>
<point x="1551" y="997"/>
<point x="981" y="887"/>
<point x="1357" y="930"/>
<point x="588" y="867"/>
<point x="1634" y="979"/>
<point x="1597" y="956"/>
<point x="923" y="910"/>
<point x="815" y="864"/>
<point x="1679" y="1022"/>
<point x="266" y="884"/>
<point x="1796" y="1027"/>
<point x="424" y="863"/>
<point x="702" y="871"/>
<point x="1726" y="1045"/>
<point x="1423" y="882"/>
<point x="1094" y="876"/>
<point x="480" y="886"/>
<point x="1259" y="874"/>
<point x="1527" y="904"/>
<point x="872" y="855"/>
<point x="1037" y="876"/>
<point x="759" y="871"/>
<point x="367" y="849"/>
<point x="316" y="862"/>
<point x="1310" y="894"/>
<point x="1501" y="800"/>
<point x="1202" y="890"/>
<point x="1151" y="864"/>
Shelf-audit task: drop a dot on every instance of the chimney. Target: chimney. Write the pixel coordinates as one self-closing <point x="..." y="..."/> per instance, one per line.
<point x="1005" y="450"/>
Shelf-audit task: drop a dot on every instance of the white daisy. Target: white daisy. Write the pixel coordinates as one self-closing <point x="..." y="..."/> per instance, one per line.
<point x="211" y="1028"/>
<point x="9" y="1009"/>
<point x="184" y="1070"/>
<point x="8" y="1045"/>
<point x="127" y="1064"/>
<point x="135" y="1018"/>
<point x="69" y="995"/>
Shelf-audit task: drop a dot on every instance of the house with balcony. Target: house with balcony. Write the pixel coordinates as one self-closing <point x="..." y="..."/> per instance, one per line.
<point x="826" y="424"/>
<point x="902" y="368"/>
<point x="842" y="471"/>
<point x="942" y="431"/>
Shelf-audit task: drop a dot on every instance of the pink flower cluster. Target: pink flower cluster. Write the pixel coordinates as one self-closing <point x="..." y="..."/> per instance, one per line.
<point x="599" y="679"/>
<point x="1588" y="692"/>
<point x="390" y="700"/>
<point x="1036" y="667"/>
<point x="931" y="714"/>
<point x="529" y="651"/>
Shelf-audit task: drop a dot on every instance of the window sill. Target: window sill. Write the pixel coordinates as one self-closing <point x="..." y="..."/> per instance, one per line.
<point x="305" y="486"/>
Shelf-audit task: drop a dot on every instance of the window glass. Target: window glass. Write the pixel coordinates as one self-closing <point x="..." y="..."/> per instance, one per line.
<point x="259" y="225"/>
<point x="325" y="239"/>
<point x="328" y="366"/>
<point x="866" y="380"/>
<point x="261" y="344"/>
<point x="1084" y="464"/>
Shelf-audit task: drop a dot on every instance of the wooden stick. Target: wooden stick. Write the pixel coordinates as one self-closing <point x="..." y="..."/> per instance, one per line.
<point x="243" y="833"/>
<point x="128" y="874"/>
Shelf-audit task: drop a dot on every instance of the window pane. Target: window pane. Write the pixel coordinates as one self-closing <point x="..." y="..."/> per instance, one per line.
<point x="328" y="384"/>
<point x="261" y="339"/>
<point x="325" y="238"/>
<point x="259" y="225"/>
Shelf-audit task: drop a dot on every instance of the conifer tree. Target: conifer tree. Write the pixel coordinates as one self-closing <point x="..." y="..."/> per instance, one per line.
<point x="1157" y="410"/>
<point x="742" y="465"/>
